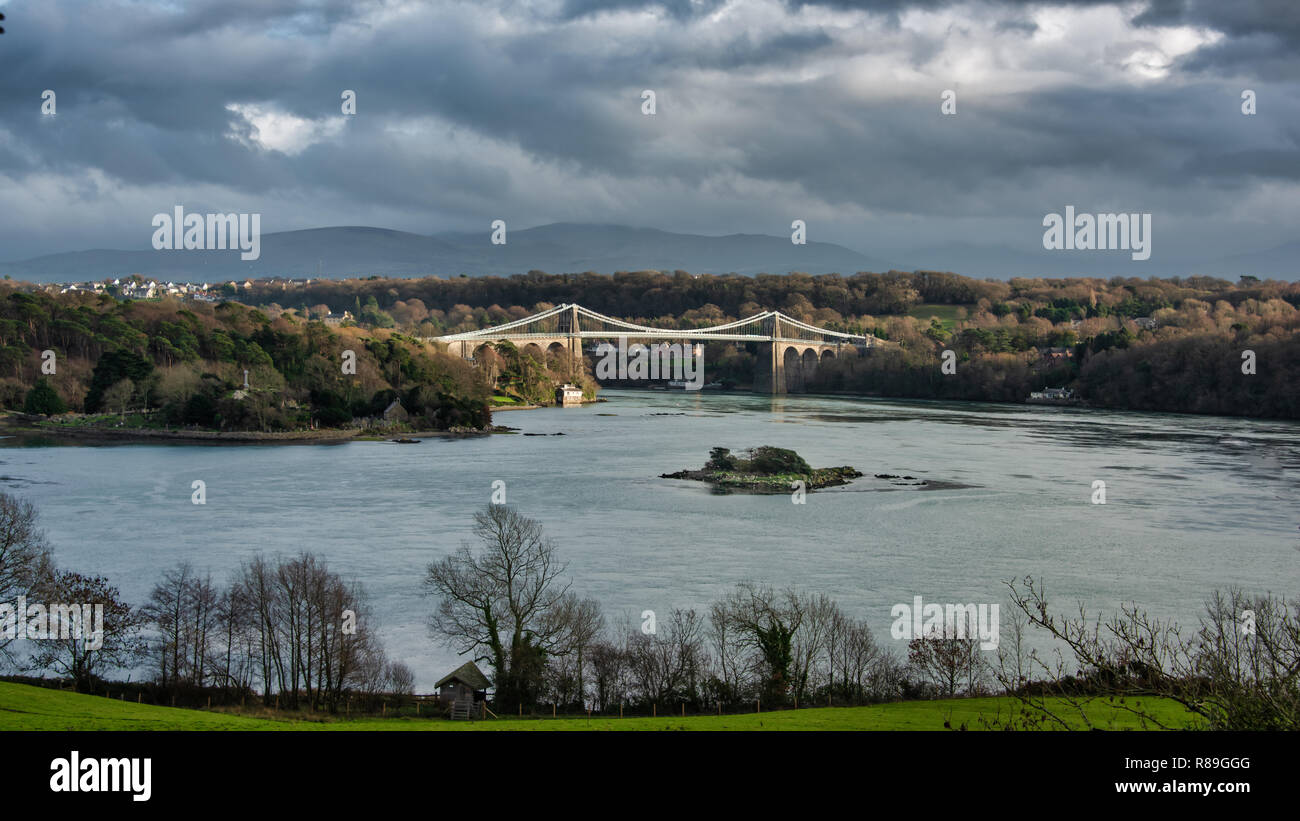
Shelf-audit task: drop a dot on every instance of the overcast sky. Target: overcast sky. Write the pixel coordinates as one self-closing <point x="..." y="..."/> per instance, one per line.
<point x="767" y="111"/>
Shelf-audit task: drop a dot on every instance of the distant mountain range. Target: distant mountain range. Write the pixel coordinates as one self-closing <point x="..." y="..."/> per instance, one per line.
<point x="338" y="253"/>
<point x="342" y="252"/>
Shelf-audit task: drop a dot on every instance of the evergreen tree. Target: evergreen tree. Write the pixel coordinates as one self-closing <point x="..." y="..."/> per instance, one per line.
<point x="44" y="400"/>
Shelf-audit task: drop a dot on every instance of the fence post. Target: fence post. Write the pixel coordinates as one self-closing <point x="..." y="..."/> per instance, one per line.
<point x="137" y="698"/>
<point x="384" y="712"/>
<point x="620" y="709"/>
<point x="654" y="710"/>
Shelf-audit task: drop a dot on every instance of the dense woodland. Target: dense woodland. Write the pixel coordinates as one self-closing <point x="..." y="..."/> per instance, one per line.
<point x="171" y="364"/>
<point x="1184" y="356"/>
<point x="1158" y="344"/>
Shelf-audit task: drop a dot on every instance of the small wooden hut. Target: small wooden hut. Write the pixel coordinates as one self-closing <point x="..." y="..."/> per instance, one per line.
<point x="462" y="687"/>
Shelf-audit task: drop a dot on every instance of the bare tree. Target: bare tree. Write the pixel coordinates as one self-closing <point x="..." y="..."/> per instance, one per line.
<point x="668" y="667"/>
<point x="855" y="661"/>
<point x="399" y="679"/>
<point x="581" y="623"/>
<point x="608" y="669"/>
<point x="765" y="622"/>
<point x="505" y="602"/>
<point x="947" y="659"/>
<point x="119" y="396"/>
<point x="305" y="644"/>
<point x="183" y="611"/>
<point x="1240" y="670"/>
<point x="83" y="654"/>
<point x="24" y="555"/>
<point x="235" y="651"/>
<point x="810" y="667"/>
<point x="1013" y="664"/>
<point x="733" y="665"/>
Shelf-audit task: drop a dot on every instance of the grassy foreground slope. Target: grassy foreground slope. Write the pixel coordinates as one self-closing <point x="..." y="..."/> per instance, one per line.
<point x="24" y="707"/>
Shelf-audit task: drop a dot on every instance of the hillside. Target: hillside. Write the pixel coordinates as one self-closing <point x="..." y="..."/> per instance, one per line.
<point x="164" y="364"/>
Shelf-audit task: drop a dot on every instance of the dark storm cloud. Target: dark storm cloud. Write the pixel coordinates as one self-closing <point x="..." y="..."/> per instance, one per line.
<point x="467" y="112"/>
<point x="1278" y="19"/>
<point x="1263" y="36"/>
<point x="1239" y="18"/>
<point x="679" y="9"/>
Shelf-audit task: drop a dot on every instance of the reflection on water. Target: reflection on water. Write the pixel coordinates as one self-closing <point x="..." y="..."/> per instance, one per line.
<point x="1193" y="503"/>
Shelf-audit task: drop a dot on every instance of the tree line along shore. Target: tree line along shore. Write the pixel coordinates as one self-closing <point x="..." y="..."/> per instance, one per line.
<point x="1180" y="344"/>
<point x="98" y="367"/>
<point x="1173" y="344"/>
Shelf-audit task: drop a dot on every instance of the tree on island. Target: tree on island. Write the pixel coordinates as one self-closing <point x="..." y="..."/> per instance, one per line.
<point x="764" y="460"/>
<point x="720" y="459"/>
<point x="771" y="461"/>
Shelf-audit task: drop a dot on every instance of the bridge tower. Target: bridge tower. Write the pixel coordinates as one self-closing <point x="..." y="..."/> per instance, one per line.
<point x="567" y="326"/>
<point x="769" y="368"/>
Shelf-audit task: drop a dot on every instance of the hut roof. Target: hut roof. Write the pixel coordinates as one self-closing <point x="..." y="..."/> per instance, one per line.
<point x="468" y="673"/>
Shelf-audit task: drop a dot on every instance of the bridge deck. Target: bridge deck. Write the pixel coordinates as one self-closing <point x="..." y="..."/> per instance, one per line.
<point x="566" y="321"/>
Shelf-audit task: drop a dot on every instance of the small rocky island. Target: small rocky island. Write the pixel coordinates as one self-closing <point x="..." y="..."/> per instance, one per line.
<point x="764" y="469"/>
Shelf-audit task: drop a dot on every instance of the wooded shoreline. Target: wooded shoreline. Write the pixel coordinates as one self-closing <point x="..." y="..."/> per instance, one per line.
<point x="146" y="435"/>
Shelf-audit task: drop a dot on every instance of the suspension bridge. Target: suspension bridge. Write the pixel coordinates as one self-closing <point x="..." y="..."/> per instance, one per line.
<point x="789" y="351"/>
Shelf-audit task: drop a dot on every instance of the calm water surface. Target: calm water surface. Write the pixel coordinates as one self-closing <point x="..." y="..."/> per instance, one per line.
<point x="1193" y="503"/>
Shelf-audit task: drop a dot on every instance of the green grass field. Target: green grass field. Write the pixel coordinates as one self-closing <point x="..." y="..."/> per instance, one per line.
<point x="24" y="707"/>
<point x="946" y="314"/>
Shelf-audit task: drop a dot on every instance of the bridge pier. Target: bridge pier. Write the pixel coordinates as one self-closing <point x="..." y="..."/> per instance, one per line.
<point x="788" y="367"/>
<point x="769" y="368"/>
